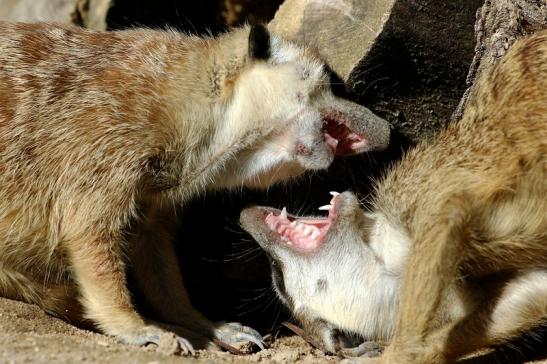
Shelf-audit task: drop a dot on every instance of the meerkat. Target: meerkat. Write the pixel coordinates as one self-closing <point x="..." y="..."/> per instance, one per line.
<point x="102" y="134"/>
<point x="452" y="256"/>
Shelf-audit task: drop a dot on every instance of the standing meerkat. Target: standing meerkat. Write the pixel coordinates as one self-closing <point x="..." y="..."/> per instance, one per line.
<point x="102" y="133"/>
<point x="453" y="257"/>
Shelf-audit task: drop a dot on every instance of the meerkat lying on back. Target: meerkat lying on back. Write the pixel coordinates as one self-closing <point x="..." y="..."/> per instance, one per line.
<point x="453" y="257"/>
<point x="101" y="134"/>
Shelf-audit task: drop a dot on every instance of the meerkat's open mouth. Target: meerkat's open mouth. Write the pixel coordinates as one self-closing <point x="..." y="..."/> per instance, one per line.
<point x="341" y="139"/>
<point x="302" y="234"/>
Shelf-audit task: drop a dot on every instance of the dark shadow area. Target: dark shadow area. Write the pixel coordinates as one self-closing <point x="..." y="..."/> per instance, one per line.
<point x="414" y="76"/>
<point x="195" y="17"/>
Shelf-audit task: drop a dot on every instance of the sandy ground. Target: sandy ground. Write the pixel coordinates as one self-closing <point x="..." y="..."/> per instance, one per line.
<point x="28" y="335"/>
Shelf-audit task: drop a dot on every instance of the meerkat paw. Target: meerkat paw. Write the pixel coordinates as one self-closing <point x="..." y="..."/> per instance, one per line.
<point x="368" y="349"/>
<point x="165" y="341"/>
<point x="233" y="333"/>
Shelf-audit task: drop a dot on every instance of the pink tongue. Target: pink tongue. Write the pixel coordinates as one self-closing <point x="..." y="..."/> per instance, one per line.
<point x="302" y="241"/>
<point x="304" y="235"/>
<point x="344" y="144"/>
<point x="318" y="223"/>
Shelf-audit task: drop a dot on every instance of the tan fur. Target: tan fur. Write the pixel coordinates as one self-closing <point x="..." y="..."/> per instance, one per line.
<point x="453" y="257"/>
<point x="474" y="204"/>
<point x="101" y="134"/>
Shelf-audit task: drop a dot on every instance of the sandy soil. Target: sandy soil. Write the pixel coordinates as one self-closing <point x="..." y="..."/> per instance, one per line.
<point x="28" y="335"/>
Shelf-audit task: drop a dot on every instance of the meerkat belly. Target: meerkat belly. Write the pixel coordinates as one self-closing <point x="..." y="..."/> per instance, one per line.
<point x="30" y="250"/>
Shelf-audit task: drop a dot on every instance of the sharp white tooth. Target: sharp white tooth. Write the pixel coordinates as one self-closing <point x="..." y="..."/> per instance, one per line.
<point x="325" y="208"/>
<point x="293" y="224"/>
<point x="334" y="193"/>
<point x="283" y="214"/>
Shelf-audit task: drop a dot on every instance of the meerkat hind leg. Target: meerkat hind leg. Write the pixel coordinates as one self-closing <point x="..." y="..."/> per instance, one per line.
<point x="432" y="267"/>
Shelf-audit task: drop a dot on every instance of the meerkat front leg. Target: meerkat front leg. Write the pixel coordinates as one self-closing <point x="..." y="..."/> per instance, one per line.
<point x="438" y="249"/>
<point x="100" y="274"/>
<point x="432" y="267"/>
<point x="156" y="272"/>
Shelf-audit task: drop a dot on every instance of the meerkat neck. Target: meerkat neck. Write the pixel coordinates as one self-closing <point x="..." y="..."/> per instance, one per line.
<point x="196" y="104"/>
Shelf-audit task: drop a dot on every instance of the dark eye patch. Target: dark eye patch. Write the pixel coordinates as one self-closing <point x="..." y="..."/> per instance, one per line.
<point x="278" y="282"/>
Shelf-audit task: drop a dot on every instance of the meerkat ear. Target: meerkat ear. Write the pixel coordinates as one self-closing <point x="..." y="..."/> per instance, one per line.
<point x="259" y="42"/>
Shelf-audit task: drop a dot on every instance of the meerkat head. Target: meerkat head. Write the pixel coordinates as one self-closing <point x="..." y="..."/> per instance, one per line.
<point x="325" y="269"/>
<point x="282" y="99"/>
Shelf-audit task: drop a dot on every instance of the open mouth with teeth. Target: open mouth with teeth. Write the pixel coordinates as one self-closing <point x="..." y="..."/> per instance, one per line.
<point x="341" y="139"/>
<point x="302" y="234"/>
